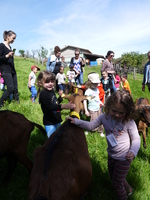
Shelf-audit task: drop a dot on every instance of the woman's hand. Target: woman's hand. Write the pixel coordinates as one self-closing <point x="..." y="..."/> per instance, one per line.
<point x="10" y="54"/>
<point x="130" y="156"/>
<point x="71" y="119"/>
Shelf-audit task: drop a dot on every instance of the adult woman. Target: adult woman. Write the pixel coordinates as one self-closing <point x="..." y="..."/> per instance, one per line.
<point x="7" y="67"/>
<point x="146" y="77"/>
<point x="54" y="63"/>
<point x="78" y="63"/>
<point x="108" y="67"/>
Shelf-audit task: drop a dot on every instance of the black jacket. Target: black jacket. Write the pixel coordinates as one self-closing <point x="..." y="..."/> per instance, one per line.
<point x="51" y="107"/>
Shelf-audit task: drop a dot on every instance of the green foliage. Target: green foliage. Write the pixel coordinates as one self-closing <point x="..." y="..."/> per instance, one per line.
<point x="21" y="53"/>
<point x="101" y="188"/>
<point x="133" y="59"/>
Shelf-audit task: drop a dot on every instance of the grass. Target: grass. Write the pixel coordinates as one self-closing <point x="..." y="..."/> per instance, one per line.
<point x="101" y="188"/>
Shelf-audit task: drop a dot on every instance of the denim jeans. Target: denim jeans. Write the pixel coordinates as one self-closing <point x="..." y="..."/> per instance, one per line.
<point x="10" y="81"/>
<point x="62" y="87"/>
<point x="33" y="92"/>
<point x="113" y="85"/>
<point x="79" y="79"/>
<point x="51" y="129"/>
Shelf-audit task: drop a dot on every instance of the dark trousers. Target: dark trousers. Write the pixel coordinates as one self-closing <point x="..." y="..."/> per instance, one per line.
<point x="10" y="80"/>
<point x="118" y="171"/>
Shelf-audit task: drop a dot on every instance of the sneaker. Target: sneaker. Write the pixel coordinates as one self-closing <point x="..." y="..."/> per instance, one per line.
<point x="102" y="134"/>
<point x="33" y="100"/>
<point x="130" y="193"/>
<point x="86" y="133"/>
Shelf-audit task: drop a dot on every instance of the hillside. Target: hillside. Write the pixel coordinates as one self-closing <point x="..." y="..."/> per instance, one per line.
<point x="139" y="174"/>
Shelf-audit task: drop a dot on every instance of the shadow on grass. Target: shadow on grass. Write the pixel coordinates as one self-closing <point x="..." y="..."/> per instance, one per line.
<point x="101" y="187"/>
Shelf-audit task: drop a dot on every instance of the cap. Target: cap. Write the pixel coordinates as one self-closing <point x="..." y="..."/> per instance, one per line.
<point x="94" y="78"/>
<point x="34" y="67"/>
<point x="71" y="65"/>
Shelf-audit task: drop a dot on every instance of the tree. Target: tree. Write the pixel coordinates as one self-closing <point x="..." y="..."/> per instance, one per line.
<point x="33" y="53"/>
<point x="42" y="54"/>
<point x="132" y="59"/>
<point x="21" y="52"/>
<point x="51" y="51"/>
<point x="27" y="54"/>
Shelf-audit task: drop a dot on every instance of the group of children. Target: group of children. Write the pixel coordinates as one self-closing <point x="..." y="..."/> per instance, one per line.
<point x="120" y="82"/>
<point x="71" y="76"/>
<point x="121" y="132"/>
<point x="101" y="88"/>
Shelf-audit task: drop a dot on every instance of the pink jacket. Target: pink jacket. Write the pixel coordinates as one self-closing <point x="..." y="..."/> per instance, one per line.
<point x="117" y="77"/>
<point x="2" y="80"/>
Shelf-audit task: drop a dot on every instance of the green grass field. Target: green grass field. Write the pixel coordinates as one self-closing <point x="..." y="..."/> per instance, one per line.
<point x="101" y="188"/>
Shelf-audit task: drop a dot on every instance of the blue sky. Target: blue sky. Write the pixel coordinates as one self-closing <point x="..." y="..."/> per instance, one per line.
<point x="97" y="25"/>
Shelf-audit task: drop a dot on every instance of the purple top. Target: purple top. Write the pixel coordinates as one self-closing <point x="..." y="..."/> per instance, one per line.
<point x="118" y="135"/>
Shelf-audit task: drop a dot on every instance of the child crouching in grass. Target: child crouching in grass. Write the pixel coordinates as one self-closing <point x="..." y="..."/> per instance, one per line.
<point x="122" y="136"/>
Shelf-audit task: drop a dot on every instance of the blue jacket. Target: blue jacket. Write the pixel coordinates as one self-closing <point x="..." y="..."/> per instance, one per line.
<point x="51" y="62"/>
<point x="146" y="78"/>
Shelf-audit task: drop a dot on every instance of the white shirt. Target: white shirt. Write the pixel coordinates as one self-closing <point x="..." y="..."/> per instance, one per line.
<point x="71" y="76"/>
<point x="33" y="78"/>
<point x="61" y="78"/>
<point x="93" y="104"/>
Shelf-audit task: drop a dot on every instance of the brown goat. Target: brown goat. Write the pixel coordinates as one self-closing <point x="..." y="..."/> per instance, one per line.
<point x="142" y="106"/>
<point x="15" y="132"/>
<point x="143" y="129"/>
<point x="71" y="88"/>
<point x="61" y="167"/>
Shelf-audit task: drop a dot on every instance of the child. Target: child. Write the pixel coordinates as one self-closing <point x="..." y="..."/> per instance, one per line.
<point x="93" y="109"/>
<point x="2" y="82"/>
<point x="61" y="77"/>
<point x="31" y="82"/>
<point x="50" y="105"/>
<point x="107" y="84"/>
<point x="124" y="83"/>
<point x="122" y="136"/>
<point x="3" y="87"/>
<point x="117" y="80"/>
<point x="71" y="74"/>
<point x="100" y="88"/>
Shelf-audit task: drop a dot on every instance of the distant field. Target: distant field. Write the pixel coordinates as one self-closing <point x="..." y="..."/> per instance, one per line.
<point x="101" y="188"/>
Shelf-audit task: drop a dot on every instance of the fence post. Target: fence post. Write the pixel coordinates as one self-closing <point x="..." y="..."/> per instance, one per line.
<point x="134" y="74"/>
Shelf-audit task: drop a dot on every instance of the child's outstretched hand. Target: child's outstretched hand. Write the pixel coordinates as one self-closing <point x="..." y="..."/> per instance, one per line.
<point x="71" y="119"/>
<point x="130" y="156"/>
<point x="69" y="105"/>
